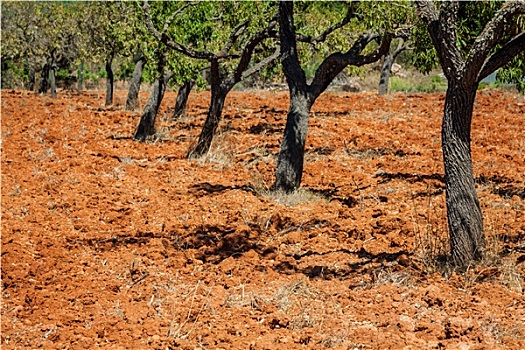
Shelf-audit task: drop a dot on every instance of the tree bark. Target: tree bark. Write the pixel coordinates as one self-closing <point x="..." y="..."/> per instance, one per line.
<point x="81" y="76"/>
<point x="134" y="87"/>
<point x="467" y="242"/>
<point x="219" y="91"/>
<point x="386" y="69"/>
<point x="52" y="79"/>
<point x="290" y="162"/>
<point x="44" y="82"/>
<point x="109" y="81"/>
<point x="146" y="125"/>
<point x="182" y="98"/>
<point x="464" y="72"/>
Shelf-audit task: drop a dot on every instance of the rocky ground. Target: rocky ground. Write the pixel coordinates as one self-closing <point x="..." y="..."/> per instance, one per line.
<point x="110" y="243"/>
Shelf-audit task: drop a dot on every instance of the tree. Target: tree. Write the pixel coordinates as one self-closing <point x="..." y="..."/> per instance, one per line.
<point x="136" y="80"/>
<point x="41" y="36"/>
<point x="229" y="33"/>
<point x="465" y="63"/>
<point x="388" y="61"/>
<point x="182" y="98"/>
<point x="289" y="169"/>
<point x="111" y="32"/>
<point x="146" y="125"/>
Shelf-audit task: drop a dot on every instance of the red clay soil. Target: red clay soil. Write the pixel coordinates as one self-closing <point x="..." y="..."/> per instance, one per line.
<point x="110" y="243"/>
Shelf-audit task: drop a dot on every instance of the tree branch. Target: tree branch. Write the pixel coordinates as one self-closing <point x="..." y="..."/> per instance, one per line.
<point x="234" y="35"/>
<point x="172" y="17"/>
<point x="442" y="29"/>
<point x="295" y="76"/>
<point x="492" y="34"/>
<point x="249" y="49"/>
<point x="322" y="37"/>
<point x="263" y="63"/>
<point x="503" y="56"/>
<point x="163" y="38"/>
<point x="336" y="62"/>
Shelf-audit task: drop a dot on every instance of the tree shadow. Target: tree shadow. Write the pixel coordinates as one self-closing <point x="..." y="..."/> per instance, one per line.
<point x="208" y="188"/>
<point x="412" y="178"/>
<point x="502" y="186"/>
<point x="368" y="262"/>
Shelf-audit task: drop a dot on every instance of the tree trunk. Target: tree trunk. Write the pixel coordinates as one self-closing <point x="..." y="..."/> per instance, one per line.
<point x="182" y="98"/>
<point x="146" y="126"/>
<point x="211" y="124"/>
<point x="109" y="82"/>
<point x="52" y="80"/>
<point x="32" y="80"/>
<point x="134" y="87"/>
<point x="467" y="242"/>
<point x="81" y="76"/>
<point x="44" y="82"/>
<point x="290" y="162"/>
<point x="386" y="69"/>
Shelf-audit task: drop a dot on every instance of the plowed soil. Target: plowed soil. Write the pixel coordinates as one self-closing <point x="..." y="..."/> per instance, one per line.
<point x="111" y="243"/>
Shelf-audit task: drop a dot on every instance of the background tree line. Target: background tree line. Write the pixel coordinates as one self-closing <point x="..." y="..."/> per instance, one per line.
<point x="220" y="44"/>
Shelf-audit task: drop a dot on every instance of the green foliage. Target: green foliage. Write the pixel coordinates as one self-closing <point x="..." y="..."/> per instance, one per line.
<point x="125" y="69"/>
<point x="514" y="73"/>
<point x="34" y="33"/>
<point x="424" y="55"/>
<point x="427" y="84"/>
<point x="472" y="16"/>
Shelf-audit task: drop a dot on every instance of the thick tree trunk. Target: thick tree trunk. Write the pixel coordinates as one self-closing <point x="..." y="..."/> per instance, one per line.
<point x="290" y="162"/>
<point x="211" y="124"/>
<point x="182" y="98"/>
<point x="134" y="87"/>
<point x="109" y="82"/>
<point x="467" y="242"/>
<point x="146" y="125"/>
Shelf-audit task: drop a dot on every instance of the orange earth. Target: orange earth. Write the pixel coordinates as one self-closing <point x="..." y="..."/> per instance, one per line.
<point x="110" y="243"/>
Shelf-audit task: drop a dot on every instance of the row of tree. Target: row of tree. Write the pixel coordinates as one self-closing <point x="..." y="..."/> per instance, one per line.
<point x="231" y="41"/>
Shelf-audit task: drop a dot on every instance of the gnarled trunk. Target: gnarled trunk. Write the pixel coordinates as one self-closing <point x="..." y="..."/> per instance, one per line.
<point x="109" y="82"/>
<point x="289" y="171"/>
<point x="146" y="125"/>
<point x="182" y="98"/>
<point x="134" y="87"/>
<point x="211" y="124"/>
<point x="465" y="221"/>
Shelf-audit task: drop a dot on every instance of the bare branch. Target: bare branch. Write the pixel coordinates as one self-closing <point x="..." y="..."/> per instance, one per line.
<point x="503" y="56"/>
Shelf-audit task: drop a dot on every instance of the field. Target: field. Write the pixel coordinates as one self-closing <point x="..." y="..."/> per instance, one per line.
<point x="110" y="243"/>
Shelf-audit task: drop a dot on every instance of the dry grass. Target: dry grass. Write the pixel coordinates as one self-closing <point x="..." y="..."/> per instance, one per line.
<point x="291" y="199"/>
<point x="221" y="152"/>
